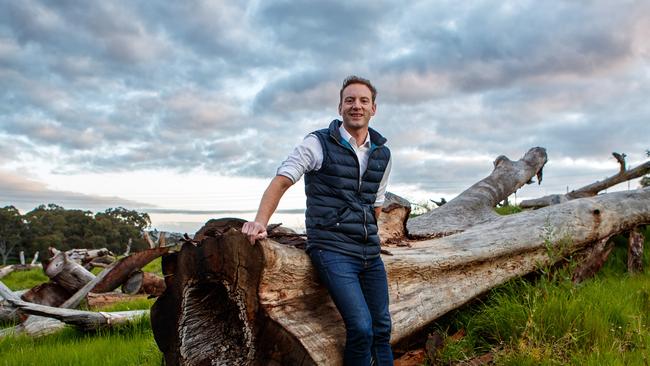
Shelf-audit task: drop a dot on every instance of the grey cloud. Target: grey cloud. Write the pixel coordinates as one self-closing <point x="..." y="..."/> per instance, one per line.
<point x="118" y="87"/>
<point x="25" y="194"/>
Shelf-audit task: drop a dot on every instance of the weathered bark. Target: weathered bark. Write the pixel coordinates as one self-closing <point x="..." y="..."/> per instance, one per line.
<point x="592" y="189"/>
<point x="593" y="261"/>
<point x="392" y="221"/>
<point x="476" y="204"/>
<point x="635" y="251"/>
<point x="226" y="299"/>
<point x="33" y="325"/>
<point x="49" y="293"/>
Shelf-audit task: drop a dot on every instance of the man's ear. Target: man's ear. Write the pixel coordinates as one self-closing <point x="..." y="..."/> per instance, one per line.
<point x="340" y="114"/>
<point x="374" y="108"/>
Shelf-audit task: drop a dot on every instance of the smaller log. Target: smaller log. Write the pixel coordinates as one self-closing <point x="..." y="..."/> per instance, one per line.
<point x="593" y="188"/>
<point x="152" y="284"/>
<point x="83" y="256"/>
<point x="34" y="326"/>
<point x="86" y="320"/>
<point x="35" y="258"/>
<point x="133" y="284"/>
<point x="144" y="282"/>
<point x="68" y="273"/>
<point x="635" y="251"/>
<point x="594" y="258"/>
<point x="6" y="270"/>
<point x="22" y="258"/>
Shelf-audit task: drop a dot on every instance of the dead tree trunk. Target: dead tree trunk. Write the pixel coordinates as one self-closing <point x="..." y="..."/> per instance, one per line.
<point x="229" y="302"/>
<point x="476" y="204"/>
<point x="592" y="189"/>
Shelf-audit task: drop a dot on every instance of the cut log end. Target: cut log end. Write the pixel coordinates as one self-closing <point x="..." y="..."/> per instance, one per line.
<point x="212" y="308"/>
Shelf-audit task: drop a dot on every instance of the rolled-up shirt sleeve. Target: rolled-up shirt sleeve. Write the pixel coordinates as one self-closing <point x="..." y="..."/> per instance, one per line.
<point x="381" y="192"/>
<point x="306" y="157"/>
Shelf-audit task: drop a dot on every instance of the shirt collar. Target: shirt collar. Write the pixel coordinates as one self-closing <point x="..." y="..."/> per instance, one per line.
<point x="347" y="137"/>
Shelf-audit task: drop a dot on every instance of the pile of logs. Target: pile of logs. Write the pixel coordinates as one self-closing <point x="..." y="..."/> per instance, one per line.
<point x="232" y="303"/>
<point x="45" y="308"/>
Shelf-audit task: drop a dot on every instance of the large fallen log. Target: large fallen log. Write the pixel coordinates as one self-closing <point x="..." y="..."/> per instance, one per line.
<point x="229" y="302"/>
<point x="592" y="189"/>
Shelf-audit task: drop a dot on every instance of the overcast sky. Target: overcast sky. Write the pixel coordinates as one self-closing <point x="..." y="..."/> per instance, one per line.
<point x="192" y="105"/>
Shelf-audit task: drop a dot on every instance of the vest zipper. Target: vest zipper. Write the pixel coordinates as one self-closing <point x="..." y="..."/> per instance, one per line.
<point x="356" y="158"/>
<point x="365" y="224"/>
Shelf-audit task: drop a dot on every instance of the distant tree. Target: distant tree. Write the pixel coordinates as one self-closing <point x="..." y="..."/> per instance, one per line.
<point x="118" y="225"/>
<point x="53" y="225"/>
<point x="11" y="230"/>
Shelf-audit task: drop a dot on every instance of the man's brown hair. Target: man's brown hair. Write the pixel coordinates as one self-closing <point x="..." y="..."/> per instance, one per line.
<point x="353" y="79"/>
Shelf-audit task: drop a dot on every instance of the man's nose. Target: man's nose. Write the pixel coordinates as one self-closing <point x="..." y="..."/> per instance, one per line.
<point x="356" y="104"/>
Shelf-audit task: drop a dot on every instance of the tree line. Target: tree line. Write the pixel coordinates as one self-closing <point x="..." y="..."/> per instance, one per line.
<point x="54" y="226"/>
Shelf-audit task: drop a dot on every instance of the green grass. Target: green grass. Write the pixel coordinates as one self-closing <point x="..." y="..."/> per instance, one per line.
<point x="507" y="210"/>
<point x="549" y="321"/>
<point x="135" y="304"/>
<point x="131" y="344"/>
<point x="154" y="267"/>
<point x="20" y="280"/>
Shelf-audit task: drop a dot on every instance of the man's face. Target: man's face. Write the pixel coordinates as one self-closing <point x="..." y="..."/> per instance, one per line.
<point x="356" y="106"/>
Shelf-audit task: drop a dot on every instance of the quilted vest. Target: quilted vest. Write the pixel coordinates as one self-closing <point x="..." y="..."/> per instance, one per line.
<point x="340" y="205"/>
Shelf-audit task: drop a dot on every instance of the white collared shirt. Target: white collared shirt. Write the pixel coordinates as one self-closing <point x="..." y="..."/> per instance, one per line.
<point x="308" y="156"/>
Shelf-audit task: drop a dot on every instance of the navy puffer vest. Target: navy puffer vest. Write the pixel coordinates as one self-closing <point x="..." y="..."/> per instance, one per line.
<point x="340" y="207"/>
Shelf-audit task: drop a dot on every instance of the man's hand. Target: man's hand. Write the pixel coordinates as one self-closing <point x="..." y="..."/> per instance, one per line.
<point x="257" y="229"/>
<point x="254" y="230"/>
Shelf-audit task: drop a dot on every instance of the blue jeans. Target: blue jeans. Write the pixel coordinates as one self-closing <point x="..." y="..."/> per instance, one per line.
<point x="359" y="289"/>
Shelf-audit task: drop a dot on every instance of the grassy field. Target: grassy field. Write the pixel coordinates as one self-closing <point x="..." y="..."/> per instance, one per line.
<point x="127" y="345"/>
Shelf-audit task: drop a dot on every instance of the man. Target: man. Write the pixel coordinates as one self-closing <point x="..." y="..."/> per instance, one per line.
<point x="346" y="167"/>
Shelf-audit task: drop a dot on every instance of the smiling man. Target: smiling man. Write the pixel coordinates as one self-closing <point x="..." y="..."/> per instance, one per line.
<point x="346" y="168"/>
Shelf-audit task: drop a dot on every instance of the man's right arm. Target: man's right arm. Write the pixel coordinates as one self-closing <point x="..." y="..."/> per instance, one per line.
<point x="257" y="229"/>
<point x="306" y="157"/>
